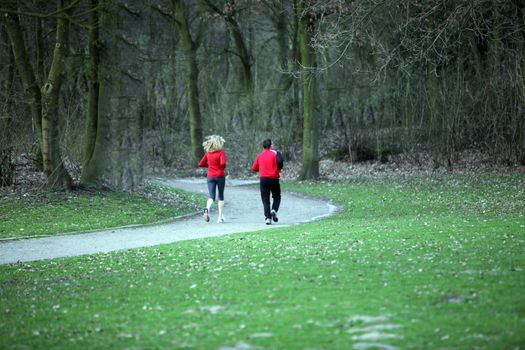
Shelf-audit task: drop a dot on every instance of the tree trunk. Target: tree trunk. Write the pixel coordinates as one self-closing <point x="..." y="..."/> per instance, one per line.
<point x="117" y="158"/>
<point x="7" y="137"/>
<point x="40" y="51"/>
<point x="287" y="57"/>
<point x="296" y="87"/>
<point x="39" y="76"/>
<point x="310" y="164"/>
<point x="25" y="70"/>
<point x="245" y="71"/>
<point x="54" y="170"/>
<point x="246" y="79"/>
<point x="520" y="5"/>
<point x="91" y="173"/>
<point x="191" y="78"/>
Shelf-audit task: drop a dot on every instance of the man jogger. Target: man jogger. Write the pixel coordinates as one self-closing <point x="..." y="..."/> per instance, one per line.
<point x="269" y="163"/>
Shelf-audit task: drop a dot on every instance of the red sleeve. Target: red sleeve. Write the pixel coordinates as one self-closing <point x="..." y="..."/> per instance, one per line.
<point x="204" y="161"/>
<point x="223" y="160"/>
<point x="255" y="166"/>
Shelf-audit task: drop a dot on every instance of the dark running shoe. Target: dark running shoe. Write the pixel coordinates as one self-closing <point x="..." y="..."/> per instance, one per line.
<point x="274" y="216"/>
<point x="206" y="216"/>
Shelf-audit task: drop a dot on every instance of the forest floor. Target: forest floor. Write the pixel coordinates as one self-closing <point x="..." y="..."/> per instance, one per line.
<point x="343" y="170"/>
<point x="334" y="170"/>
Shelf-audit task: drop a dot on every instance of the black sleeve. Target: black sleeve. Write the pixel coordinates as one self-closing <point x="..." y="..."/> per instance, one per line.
<point x="280" y="161"/>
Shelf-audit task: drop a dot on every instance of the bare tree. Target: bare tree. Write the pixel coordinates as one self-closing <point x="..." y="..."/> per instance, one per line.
<point x="54" y="169"/>
<point x="190" y="47"/>
<point x="92" y="169"/>
<point x="44" y="102"/>
<point x="310" y="162"/>
<point x="229" y="13"/>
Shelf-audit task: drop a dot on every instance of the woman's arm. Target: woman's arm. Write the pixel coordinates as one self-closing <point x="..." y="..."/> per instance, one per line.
<point x="204" y="161"/>
<point x="223" y="160"/>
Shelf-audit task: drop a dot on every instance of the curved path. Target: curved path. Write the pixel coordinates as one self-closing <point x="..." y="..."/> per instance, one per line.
<point x="243" y="213"/>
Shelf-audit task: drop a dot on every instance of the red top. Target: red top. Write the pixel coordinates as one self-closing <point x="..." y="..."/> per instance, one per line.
<point x="215" y="162"/>
<point x="266" y="164"/>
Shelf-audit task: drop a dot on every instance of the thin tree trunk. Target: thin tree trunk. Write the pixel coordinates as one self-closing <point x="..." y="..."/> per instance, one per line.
<point x="40" y="55"/>
<point x="54" y="170"/>
<point x="100" y="166"/>
<point x="25" y="70"/>
<point x="7" y="136"/>
<point x="310" y="164"/>
<point x="191" y="78"/>
<point x="520" y="5"/>
<point x="288" y="58"/>
<point x="246" y="79"/>
<point x="296" y="88"/>
<point x="39" y="76"/>
<point x="246" y="75"/>
<point x="90" y="172"/>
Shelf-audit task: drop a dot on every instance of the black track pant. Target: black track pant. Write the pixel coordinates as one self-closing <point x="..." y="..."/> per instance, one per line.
<point x="268" y="186"/>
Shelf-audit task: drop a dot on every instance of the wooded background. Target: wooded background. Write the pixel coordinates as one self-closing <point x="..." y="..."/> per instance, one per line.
<point x="100" y="92"/>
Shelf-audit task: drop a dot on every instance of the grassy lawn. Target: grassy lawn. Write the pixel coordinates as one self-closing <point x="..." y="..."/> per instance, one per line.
<point x="59" y="212"/>
<point x="411" y="263"/>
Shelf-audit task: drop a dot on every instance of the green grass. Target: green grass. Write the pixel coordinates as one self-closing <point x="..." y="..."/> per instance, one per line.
<point x="437" y="262"/>
<point x="59" y="212"/>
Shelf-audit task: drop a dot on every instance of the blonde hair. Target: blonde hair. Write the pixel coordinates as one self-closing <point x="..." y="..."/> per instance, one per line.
<point x="213" y="143"/>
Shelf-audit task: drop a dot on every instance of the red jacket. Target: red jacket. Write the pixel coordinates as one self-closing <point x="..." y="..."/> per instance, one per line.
<point x="215" y="162"/>
<point x="268" y="163"/>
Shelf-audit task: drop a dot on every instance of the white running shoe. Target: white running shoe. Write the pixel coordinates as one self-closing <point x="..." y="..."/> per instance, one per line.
<point x="274" y="216"/>
<point x="268" y="221"/>
<point x="206" y="216"/>
<point x="220" y="220"/>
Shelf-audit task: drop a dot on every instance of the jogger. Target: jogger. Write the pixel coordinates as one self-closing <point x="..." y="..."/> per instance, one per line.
<point x="272" y="186"/>
<point x="268" y="163"/>
<point x="215" y="161"/>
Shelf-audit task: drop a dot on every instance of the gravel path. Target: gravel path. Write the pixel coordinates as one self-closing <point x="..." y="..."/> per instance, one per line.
<point x="243" y="213"/>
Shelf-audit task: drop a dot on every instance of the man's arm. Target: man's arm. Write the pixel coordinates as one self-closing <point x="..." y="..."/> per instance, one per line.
<point x="280" y="161"/>
<point x="255" y="166"/>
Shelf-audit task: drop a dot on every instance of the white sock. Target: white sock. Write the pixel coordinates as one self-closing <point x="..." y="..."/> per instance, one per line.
<point x="221" y="209"/>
